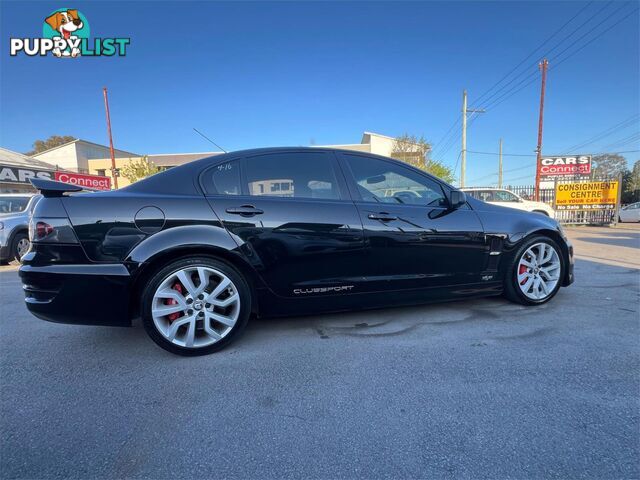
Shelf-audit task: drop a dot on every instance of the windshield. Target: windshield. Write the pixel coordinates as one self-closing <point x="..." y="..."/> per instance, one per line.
<point x="13" y="204"/>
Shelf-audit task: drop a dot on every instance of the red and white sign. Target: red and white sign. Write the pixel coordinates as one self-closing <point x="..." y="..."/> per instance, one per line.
<point x="90" y="181"/>
<point x="574" y="167"/>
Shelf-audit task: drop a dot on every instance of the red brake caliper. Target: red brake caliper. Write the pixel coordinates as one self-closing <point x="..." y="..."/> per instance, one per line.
<point x="521" y="270"/>
<point x="170" y="301"/>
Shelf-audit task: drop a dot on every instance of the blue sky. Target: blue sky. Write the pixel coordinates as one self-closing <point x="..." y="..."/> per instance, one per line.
<point x="295" y="73"/>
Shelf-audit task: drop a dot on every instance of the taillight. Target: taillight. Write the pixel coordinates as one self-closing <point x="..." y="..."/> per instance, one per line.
<point x="51" y="230"/>
<point x="42" y="230"/>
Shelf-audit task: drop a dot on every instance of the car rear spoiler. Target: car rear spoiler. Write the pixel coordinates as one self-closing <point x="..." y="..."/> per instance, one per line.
<point x="52" y="188"/>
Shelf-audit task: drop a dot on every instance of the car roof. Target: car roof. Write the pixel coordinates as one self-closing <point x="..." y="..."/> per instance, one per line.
<point x="178" y="180"/>
<point x="25" y="195"/>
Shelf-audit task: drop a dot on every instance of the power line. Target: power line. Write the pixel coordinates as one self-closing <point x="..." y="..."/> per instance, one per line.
<point x="634" y="137"/>
<point x="504" y="154"/>
<point x="588" y="32"/>
<point x="609" y="131"/>
<point x="549" y="51"/>
<point x="531" y="165"/>
<point x="447" y="141"/>
<point x="534" y="51"/>
<point x="533" y="77"/>
<point x="439" y="143"/>
<point x="455" y="169"/>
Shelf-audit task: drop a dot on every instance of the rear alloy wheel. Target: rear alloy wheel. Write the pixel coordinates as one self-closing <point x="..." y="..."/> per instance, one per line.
<point x="196" y="306"/>
<point x="535" y="273"/>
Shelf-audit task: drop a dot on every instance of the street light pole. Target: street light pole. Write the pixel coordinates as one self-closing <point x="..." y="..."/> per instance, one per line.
<point x="500" y="165"/>
<point x="543" y="66"/>
<point x="465" y="110"/>
<point x="113" y="159"/>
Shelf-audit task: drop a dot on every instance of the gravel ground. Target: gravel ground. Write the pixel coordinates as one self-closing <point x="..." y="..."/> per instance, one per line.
<point x="474" y="389"/>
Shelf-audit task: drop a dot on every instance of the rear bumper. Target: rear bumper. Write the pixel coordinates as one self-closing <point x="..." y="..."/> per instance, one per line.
<point x="93" y="294"/>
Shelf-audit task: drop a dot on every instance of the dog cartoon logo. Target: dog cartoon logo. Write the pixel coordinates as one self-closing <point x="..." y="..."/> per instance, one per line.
<point x="68" y="25"/>
<point x="66" y="34"/>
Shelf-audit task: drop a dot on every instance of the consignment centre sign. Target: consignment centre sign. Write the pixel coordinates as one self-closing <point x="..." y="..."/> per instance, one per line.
<point x="586" y="195"/>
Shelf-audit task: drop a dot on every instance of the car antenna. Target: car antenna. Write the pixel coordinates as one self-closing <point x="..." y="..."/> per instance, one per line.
<point x="207" y="138"/>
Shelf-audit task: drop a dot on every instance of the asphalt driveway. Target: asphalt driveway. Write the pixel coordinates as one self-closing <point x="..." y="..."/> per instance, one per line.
<point x="475" y="389"/>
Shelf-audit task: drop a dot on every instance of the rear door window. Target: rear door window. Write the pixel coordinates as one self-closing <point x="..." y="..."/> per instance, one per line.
<point x="307" y="175"/>
<point x="224" y="179"/>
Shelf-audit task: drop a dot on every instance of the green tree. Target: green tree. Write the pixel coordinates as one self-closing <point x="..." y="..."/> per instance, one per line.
<point x="634" y="179"/>
<point x="52" y="141"/>
<point x="631" y="184"/>
<point x="415" y="151"/>
<point x="608" y="165"/>
<point x="138" y="168"/>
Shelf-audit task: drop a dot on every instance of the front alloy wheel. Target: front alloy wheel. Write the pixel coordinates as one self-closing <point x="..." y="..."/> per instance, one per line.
<point x="195" y="306"/>
<point x="20" y="245"/>
<point x="535" y="271"/>
<point x="539" y="271"/>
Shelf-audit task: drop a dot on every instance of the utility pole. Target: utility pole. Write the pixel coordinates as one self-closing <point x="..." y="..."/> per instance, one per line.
<point x="465" y="110"/>
<point x="500" y="165"/>
<point x="113" y="159"/>
<point x="542" y="66"/>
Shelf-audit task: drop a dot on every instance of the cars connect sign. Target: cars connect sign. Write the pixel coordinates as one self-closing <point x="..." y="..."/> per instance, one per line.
<point x="571" y="167"/>
<point x="96" y="182"/>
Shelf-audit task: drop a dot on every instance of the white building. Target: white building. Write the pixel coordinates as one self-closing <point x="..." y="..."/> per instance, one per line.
<point x="370" y="143"/>
<point x="75" y="155"/>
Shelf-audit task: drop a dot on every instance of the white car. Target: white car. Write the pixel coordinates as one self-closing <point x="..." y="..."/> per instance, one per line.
<point x="506" y="198"/>
<point x="15" y="209"/>
<point x="630" y="213"/>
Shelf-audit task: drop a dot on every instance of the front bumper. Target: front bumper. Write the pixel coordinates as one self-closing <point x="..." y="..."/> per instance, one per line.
<point x="5" y="251"/>
<point x="88" y="294"/>
<point x="569" y="277"/>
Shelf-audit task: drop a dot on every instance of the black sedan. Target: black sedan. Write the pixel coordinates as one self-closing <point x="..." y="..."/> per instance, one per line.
<point x="196" y="250"/>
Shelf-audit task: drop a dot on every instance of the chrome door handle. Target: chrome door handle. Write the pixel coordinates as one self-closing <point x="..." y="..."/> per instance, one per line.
<point x="245" y="211"/>
<point x="382" y="216"/>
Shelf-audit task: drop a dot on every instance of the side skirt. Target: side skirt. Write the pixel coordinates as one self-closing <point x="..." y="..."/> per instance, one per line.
<point x="271" y="305"/>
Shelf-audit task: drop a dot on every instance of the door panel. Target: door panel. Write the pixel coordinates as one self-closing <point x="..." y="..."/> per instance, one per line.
<point x="423" y="247"/>
<point x="414" y="239"/>
<point x="296" y="221"/>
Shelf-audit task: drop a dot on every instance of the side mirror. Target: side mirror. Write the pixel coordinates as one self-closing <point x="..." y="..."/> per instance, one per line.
<point x="457" y="198"/>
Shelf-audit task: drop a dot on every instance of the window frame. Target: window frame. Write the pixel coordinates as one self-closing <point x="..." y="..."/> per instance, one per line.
<point x="357" y="197"/>
<point x="207" y="185"/>
<point x="516" y="197"/>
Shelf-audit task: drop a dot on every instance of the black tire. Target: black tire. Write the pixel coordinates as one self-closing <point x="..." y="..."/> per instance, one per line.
<point x="17" y="238"/>
<point x="511" y="289"/>
<point x="154" y="282"/>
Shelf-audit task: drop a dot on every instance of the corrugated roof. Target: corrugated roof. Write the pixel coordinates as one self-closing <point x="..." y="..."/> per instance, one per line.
<point x="9" y="157"/>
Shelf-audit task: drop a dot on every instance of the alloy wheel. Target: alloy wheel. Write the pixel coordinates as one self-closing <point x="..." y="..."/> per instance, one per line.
<point x="539" y="271"/>
<point x="22" y="247"/>
<point x="195" y="307"/>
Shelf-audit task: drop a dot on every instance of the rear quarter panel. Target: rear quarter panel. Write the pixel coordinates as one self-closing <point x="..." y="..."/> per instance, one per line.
<point x="106" y="224"/>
